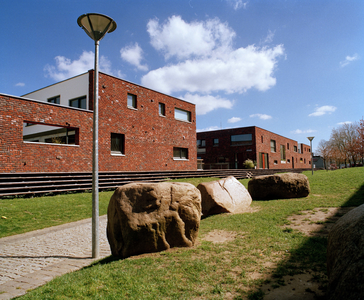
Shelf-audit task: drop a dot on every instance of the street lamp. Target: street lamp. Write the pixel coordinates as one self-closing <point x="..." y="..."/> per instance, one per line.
<point x="96" y="26"/>
<point x="310" y="139"/>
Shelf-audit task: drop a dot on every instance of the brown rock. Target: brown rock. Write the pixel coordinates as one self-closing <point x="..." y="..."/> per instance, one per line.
<point x="279" y="186"/>
<point x="345" y="256"/>
<point x="151" y="217"/>
<point x="227" y="195"/>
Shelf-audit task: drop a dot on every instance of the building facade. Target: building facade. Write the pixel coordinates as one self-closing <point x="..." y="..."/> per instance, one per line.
<point x="230" y="148"/>
<point x="50" y="130"/>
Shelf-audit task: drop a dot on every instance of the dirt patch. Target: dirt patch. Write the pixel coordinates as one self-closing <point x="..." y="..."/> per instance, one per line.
<point x="220" y="236"/>
<point x="317" y="222"/>
<point x="301" y="287"/>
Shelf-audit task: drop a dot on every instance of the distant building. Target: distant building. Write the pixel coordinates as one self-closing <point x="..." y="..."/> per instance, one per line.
<point x="230" y="148"/>
<point x="50" y="130"/>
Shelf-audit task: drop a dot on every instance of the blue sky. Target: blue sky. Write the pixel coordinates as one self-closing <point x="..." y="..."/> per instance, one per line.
<point x="292" y="67"/>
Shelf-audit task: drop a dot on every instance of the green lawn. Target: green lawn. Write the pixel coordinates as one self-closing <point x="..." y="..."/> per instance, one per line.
<point x="206" y="271"/>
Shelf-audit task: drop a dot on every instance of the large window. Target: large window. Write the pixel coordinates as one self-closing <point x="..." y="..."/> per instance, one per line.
<point x="132" y="101"/>
<point x="162" y="109"/>
<point x="182" y="115"/>
<point x="117" y="143"/>
<point x="55" y="100"/>
<point x="283" y="152"/>
<point x="78" y="102"/>
<point x="180" y="153"/>
<point x="273" y="146"/>
<point x="241" y="139"/>
<point x="40" y="133"/>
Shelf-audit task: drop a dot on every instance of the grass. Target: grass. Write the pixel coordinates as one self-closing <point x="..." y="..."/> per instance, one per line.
<point x="264" y="251"/>
<point x="27" y="214"/>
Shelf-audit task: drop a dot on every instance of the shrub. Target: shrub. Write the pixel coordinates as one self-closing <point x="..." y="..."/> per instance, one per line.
<point x="249" y="164"/>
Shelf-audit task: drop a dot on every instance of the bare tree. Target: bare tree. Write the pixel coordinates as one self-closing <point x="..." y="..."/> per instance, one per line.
<point x="324" y="150"/>
<point x="344" y="141"/>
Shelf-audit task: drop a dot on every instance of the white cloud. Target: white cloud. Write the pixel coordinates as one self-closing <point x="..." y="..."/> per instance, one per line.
<point x="20" y="84"/>
<point x="212" y="128"/>
<point x="234" y="72"/>
<point x="234" y="120"/>
<point x="343" y="123"/>
<point x="207" y="103"/>
<point x="203" y="60"/>
<point x="133" y="54"/>
<point x="66" y="68"/>
<point x="237" y="4"/>
<point x="269" y="38"/>
<point x="182" y="40"/>
<point x="323" y="110"/>
<point x="261" y="116"/>
<point x="299" y="131"/>
<point x="349" y="59"/>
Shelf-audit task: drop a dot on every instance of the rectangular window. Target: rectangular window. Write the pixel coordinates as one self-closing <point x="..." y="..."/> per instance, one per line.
<point x="241" y="139"/>
<point x="132" y="101"/>
<point x="78" y="102"/>
<point x="55" y="100"/>
<point x="201" y="150"/>
<point x="180" y="153"/>
<point x="182" y="115"/>
<point x="295" y="148"/>
<point x="287" y="146"/>
<point x="216" y="142"/>
<point x="273" y="146"/>
<point x="117" y="143"/>
<point x="50" y="134"/>
<point x="162" y="109"/>
<point x="283" y="152"/>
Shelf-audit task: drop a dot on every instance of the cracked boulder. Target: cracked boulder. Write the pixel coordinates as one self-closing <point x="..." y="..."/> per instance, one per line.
<point x="226" y="195"/>
<point x="152" y="217"/>
<point x="345" y="256"/>
<point x="279" y="186"/>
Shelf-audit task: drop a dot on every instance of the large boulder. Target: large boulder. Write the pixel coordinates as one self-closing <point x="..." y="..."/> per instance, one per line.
<point x="279" y="186"/>
<point x="151" y="217"/>
<point x="226" y="195"/>
<point x="345" y="256"/>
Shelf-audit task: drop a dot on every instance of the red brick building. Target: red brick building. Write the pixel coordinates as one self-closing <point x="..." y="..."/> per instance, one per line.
<point x="230" y="148"/>
<point x="139" y="129"/>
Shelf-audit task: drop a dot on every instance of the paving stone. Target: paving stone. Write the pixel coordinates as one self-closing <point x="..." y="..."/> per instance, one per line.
<point x="34" y="258"/>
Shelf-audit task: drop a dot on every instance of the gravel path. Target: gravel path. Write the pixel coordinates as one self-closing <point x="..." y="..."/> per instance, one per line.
<point x="30" y="260"/>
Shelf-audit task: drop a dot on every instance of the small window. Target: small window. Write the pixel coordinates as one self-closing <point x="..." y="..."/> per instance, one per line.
<point x="295" y="148"/>
<point x="162" y="109"/>
<point x="216" y="142"/>
<point x="275" y="162"/>
<point x="287" y="146"/>
<point x="182" y="115"/>
<point x="78" y="102"/>
<point x="117" y="143"/>
<point x="132" y="101"/>
<point x="262" y="138"/>
<point x="55" y="100"/>
<point x="241" y="139"/>
<point x="180" y="153"/>
<point x="201" y="150"/>
<point x="273" y="146"/>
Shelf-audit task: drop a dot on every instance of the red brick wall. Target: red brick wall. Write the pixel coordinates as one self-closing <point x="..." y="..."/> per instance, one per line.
<point x="17" y="156"/>
<point x="236" y="155"/>
<point x="149" y="138"/>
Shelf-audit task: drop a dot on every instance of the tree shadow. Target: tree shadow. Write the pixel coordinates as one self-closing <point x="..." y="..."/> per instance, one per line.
<point x="309" y="258"/>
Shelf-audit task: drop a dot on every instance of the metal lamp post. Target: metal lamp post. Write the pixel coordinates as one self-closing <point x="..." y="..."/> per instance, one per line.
<point x="310" y="139"/>
<point x="96" y="26"/>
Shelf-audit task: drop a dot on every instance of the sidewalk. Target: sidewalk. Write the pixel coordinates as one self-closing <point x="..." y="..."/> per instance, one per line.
<point x="32" y="259"/>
